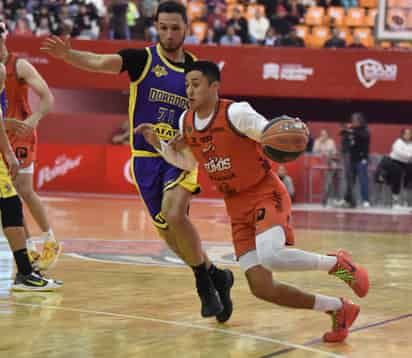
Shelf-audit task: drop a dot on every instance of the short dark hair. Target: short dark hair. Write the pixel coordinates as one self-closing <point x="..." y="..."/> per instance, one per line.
<point x="209" y="69"/>
<point x="171" y="7"/>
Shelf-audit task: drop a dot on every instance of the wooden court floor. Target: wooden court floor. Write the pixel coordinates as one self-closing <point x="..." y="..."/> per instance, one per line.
<point x="126" y="295"/>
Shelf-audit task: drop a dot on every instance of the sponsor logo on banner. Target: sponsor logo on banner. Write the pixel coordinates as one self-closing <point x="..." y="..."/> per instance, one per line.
<point x="287" y="72"/>
<point x="62" y="165"/>
<point x="370" y="71"/>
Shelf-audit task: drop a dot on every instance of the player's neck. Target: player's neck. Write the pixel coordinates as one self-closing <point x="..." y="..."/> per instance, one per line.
<point x="174" y="56"/>
<point x="207" y="109"/>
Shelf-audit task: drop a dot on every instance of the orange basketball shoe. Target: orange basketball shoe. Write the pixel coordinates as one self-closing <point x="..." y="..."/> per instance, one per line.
<point x="342" y="320"/>
<point x="353" y="274"/>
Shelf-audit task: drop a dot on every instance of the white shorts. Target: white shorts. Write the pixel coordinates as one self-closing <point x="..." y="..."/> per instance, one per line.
<point x="27" y="170"/>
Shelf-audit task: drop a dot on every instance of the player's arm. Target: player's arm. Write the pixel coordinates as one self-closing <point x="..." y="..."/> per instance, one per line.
<point x="5" y="147"/>
<point x="246" y="120"/>
<point x="88" y="61"/>
<point x="175" y="152"/>
<point x="27" y="73"/>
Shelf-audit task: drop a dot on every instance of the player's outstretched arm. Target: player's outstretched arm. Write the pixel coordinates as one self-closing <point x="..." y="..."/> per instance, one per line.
<point x="61" y="49"/>
<point x="175" y="153"/>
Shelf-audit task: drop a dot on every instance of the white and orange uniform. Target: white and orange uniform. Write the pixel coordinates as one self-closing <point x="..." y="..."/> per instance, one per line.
<point x="226" y="146"/>
<point x="18" y="108"/>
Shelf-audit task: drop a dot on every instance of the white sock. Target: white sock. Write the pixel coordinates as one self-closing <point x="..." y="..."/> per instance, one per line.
<point x="48" y="234"/>
<point x="288" y="259"/>
<point x="326" y="263"/>
<point x="326" y="303"/>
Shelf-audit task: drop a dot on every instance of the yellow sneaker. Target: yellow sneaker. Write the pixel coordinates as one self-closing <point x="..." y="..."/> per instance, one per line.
<point x="51" y="252"/>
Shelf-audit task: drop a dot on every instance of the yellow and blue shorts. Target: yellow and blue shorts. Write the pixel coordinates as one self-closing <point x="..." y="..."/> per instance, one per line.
<point x="6" y="185"/>
<point x="153" y="176"/>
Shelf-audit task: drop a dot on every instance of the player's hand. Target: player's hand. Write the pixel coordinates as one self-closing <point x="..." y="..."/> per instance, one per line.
<point x="12" y="163"/>
<point x="178" y="143"/>
<point x="18" y="128"/>
<point x="149" y="134"/>
<point x="24" y="130"/>
<point x="56" y="47"/>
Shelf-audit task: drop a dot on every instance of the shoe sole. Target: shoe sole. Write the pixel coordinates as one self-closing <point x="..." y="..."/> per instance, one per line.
<point x="35" y="289"/>
<point x="361" y="287"/>
<point x="219" y="317"/>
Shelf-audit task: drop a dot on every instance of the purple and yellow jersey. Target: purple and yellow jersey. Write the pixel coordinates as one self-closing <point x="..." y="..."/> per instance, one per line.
<point x="157" y="97"/>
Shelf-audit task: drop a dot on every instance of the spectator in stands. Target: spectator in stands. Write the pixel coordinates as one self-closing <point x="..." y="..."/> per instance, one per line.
<point x="258" y="26"/>
<point x="23" y="14"/>
<point x="325" y="147"/>
<point x="400" y="169"/>
<point x="132" y="16"/>
<point x="287" y="180"/>
<point x="349" y="3"/>
<point x="290" y="40"/>
<point x="86" y="23"/>
<point x="356" y="140"/>
<point x="191" y="38"/>
<point x="210" y="38"/>
<point x="327" y="3"/>
<point x="22" y="28"/>
<point x="43" y="29"/>
<point x="271" y="37"/>
<point x="295" y="12"/>
<point x="230" y="39"/>
<point x="357" y="43"/>
<point x="335" y="41"/>
<point x="239" y="24"/>
<point x="217" y="21"/>
<point x="121" y="135"/>
<point x="118" y="29"/>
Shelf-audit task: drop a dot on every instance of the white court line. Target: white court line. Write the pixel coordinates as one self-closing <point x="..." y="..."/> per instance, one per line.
<point x="182" y="324"/>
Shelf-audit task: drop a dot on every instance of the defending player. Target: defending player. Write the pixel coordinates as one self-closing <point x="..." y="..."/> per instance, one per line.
<point x="157" y="94"/>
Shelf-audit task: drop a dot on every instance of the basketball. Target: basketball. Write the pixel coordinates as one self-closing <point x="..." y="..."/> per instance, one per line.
<point x="285" y="138"/>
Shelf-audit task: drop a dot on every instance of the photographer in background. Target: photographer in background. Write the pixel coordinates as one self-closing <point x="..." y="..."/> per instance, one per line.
<point x="355" y="148"/>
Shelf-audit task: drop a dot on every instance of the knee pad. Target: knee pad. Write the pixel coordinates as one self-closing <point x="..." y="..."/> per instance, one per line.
<point x="268" y="244"/>
<point x="11" y="212"/>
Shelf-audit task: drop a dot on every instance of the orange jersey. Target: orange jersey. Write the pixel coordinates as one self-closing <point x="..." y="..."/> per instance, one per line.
<point x="17" y="94"/>
<point x="255" y="197"/>
<point x="232" y="161"/>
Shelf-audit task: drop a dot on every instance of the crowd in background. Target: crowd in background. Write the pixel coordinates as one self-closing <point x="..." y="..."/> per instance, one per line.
<point x="214" y="22"/>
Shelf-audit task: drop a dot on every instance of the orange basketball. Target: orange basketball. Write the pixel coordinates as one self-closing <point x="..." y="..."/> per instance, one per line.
<point x="285" y="138"/>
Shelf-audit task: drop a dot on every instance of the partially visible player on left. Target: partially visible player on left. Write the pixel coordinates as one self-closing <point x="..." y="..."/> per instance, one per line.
<point x="12" y="212"/>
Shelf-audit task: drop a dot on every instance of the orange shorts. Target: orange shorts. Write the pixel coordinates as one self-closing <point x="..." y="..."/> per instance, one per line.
<point x="256" y="210"/>
<point x="25" y="149"/>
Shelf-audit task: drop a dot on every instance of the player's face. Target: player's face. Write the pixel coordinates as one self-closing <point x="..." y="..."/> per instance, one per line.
<point x="199" y="91"/>
<point x="171" y="30"/>
<point x="407" y="135"/>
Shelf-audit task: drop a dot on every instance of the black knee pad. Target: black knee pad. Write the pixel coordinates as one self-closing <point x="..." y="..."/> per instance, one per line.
<point x="11" y="212"/>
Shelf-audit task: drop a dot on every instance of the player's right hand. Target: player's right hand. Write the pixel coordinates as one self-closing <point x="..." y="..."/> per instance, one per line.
<point x="18" y="128"/>
<point x="12" y="163"/>
<point x="149" y="134"/>
<point x="56" y="47"/>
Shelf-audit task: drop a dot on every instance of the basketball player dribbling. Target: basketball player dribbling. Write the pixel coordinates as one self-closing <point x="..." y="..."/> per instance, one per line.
<point x="157" y="94"/>
<point x="223" y="138"/>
